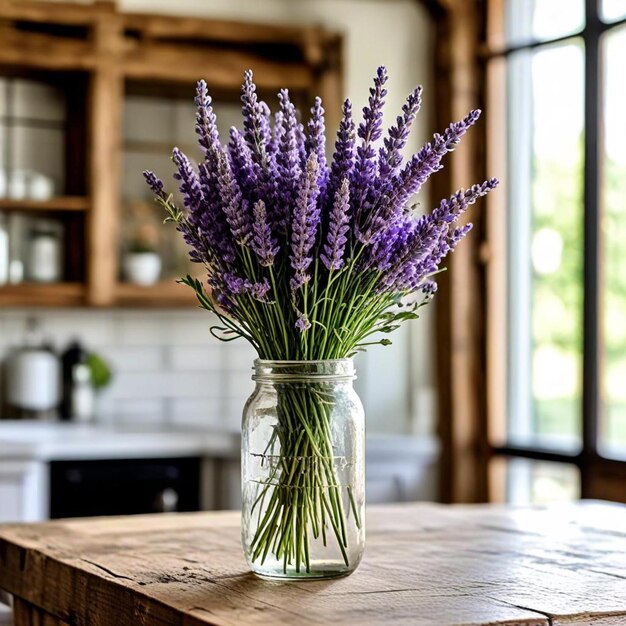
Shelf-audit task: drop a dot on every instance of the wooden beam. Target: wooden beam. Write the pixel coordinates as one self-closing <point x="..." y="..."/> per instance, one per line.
<point x="184" y="28"/>
<point x="70" y="13"/>
<point x="221" y="68"/>
<point x="42" y="51"/>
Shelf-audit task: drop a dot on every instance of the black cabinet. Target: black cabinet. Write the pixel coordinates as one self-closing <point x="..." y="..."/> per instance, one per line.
<point x="123" y="487"/>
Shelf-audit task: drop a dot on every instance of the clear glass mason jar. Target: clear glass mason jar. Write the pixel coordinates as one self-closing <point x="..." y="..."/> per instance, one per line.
<point x="303" y="470"/>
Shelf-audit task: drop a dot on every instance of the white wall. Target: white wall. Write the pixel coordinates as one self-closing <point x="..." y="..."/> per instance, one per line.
<point x="395" y="382"/>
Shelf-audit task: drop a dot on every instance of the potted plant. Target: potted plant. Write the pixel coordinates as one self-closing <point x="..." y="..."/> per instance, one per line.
<point x="142" y="262"/>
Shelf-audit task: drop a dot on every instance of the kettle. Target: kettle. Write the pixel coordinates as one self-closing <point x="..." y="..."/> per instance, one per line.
<point x="33" y="377"/>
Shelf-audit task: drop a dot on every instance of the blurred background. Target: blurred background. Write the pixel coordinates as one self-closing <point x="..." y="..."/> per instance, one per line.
<point x="511" y="387"/>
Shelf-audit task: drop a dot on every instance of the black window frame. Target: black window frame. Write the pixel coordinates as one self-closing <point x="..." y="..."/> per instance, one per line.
<point x="592" y="466"/>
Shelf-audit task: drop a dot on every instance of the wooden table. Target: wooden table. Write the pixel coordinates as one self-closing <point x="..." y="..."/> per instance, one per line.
<point x="425" y="564"/>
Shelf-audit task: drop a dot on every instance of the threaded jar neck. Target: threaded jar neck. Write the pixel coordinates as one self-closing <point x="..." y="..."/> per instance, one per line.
<point x="331" y="370"/>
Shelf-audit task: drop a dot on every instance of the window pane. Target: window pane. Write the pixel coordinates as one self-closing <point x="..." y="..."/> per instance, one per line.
<point x="545" y="126"/>
<point x="539" y="482"/>
<point x="530" y="20"/>
<point x="613" y="423"/>
<point x="613" y="10"/>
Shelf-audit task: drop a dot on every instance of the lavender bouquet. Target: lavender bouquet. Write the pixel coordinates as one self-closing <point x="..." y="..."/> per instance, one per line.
<point x="311" y="260"/>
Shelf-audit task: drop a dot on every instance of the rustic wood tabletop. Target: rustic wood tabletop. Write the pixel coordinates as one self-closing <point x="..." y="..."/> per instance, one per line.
<point x="424" y="564"/>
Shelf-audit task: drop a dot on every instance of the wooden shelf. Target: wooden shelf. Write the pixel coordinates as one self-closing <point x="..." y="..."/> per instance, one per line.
<point x="167" y="293"/>
<point x="59" y="203"/>
<point x="96" y="54"/>
<point x="36" y="294"/>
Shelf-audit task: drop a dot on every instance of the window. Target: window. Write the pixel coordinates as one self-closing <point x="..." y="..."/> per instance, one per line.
<point x="556" y="100"/>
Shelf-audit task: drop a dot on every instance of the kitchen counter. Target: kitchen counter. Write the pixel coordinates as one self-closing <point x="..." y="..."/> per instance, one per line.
<point x="51" y="441"/>
<point x="399" y="467"/>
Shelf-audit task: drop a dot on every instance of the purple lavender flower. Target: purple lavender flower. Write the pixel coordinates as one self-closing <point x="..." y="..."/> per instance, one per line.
<point x="210" y="220"/>
<point x="234" y="206"/>
<point x="343" y="159"/>
<point x="233" y="285"/>
<point x="390" y="156"/>
<point x="370" y="130"/>
<point x="410" y="180"/>
<point x="302" y="322"/>
<point x="206" y="123"/>
<point x="332" y="255"/>
<point x="189" y="182"/>
<point x="428" y="159"/>
<point x="306" y="217"/>
<point x="457" y="234"/>
<point x="287" y="163"/>
<point x="255" y="122"/>
<point x="391" y="243"/>
<point x="245" y="170"/>
<point x="155" y="184"/>
<point x="316" y="142"/>
<point x="429" y="288"/>
<point x="266" y="209"/>
<point x="262" y="242"/>
<point x="260" y="290"/>
<point x="450" y="209"/>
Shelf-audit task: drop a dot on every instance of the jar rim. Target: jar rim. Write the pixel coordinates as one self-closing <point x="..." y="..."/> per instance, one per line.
<point x="315" y="370"/>
<point x="294" y="362"/>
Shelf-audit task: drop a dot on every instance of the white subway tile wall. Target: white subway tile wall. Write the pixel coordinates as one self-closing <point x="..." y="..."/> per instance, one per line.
<point x="167" y="367"/>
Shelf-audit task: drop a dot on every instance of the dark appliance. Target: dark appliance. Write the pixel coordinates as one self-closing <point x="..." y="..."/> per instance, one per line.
<point x="123" y="487"/>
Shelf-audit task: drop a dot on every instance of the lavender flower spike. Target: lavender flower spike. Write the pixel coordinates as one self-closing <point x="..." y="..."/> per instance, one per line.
<point x="390" y="155"/>
<point x="332" y="255"/>
<point x="428" y="160"/>
<point x="206" y="123"/>
<point x="316" y="141"/>
<point x="155" y="184"/>
<point x="254" y="120"/>
<point x="369" y="131"/>
<point x="244" y="169"/>
<point x="189" y="181"/>
<point x="450" y="209"/>
<point x="234" y="206"/>
<point x="262" y="242"/>
<point x="306" y="218"/>
<point x="288" y="171"/>
<point x="343" y="159"/>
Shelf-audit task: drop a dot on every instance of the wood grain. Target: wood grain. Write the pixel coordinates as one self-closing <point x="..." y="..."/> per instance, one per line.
<point x="424" y="565"/>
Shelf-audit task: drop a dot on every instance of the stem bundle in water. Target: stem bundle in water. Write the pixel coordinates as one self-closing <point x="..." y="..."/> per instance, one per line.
<point x="301" y="496"/>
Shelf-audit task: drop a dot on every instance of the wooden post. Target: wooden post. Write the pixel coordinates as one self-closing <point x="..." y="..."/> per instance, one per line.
<point x="105" y="123"/>
<point x="460" y="302"/>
